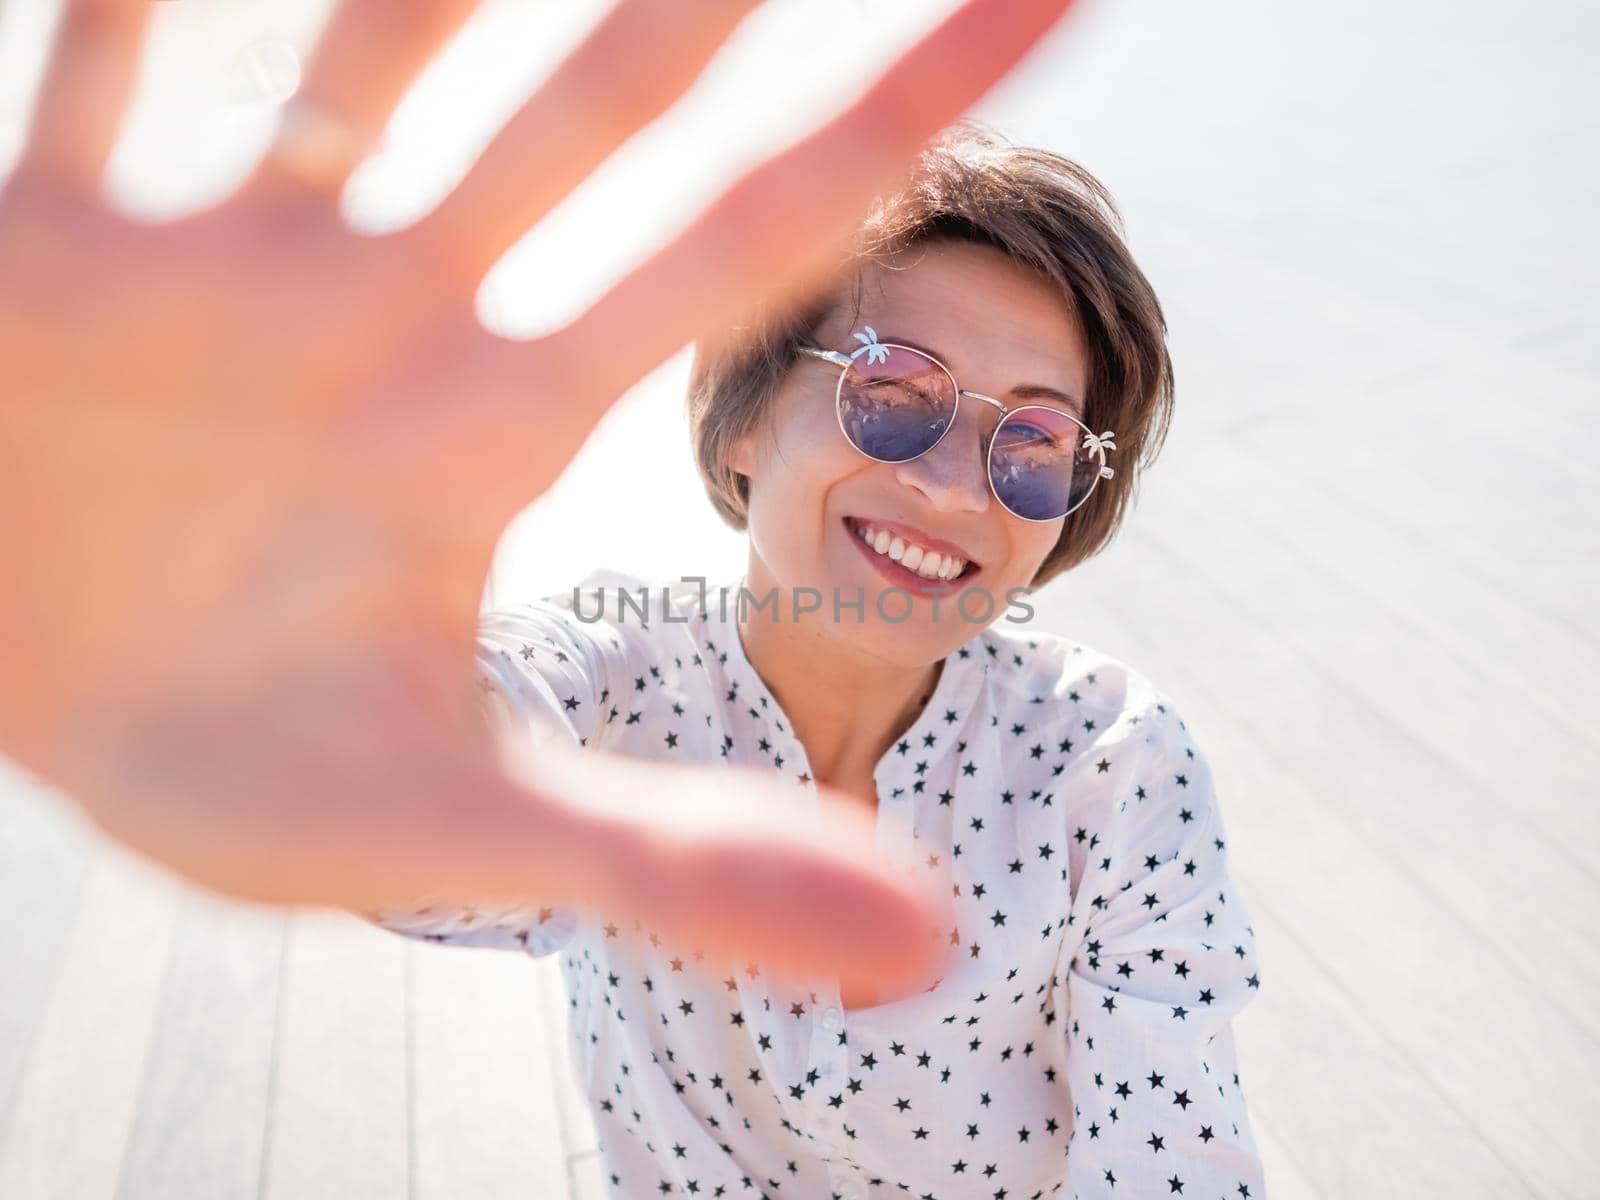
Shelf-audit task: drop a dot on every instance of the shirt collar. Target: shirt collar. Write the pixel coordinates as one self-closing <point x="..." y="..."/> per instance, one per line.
<point x="965" y="671"/>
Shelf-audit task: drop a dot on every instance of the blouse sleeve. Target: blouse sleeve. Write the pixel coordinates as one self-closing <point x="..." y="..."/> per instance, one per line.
<point x="1165" y="961"/>
<point x="543" y="674"/>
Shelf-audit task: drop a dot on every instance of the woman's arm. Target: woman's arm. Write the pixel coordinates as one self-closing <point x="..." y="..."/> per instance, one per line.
<point x="1163" y="961"/>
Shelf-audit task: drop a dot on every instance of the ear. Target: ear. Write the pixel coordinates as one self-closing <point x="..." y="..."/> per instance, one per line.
<point x="741" y="457"/>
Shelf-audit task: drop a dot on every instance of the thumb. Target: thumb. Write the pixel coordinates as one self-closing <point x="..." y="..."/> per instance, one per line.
<point x="733" y="861"/>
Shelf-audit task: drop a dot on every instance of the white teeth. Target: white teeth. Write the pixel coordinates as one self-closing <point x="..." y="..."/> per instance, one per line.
<point x="930" y="564"/>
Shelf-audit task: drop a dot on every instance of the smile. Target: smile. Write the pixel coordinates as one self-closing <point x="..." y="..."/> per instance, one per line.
<point x="891" y="544"/>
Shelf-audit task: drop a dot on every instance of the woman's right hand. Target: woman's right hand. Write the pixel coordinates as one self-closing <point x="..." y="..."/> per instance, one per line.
<point x="253" y="467"/>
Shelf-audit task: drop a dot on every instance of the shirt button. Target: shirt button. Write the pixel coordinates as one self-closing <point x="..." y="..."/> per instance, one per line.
<point x="832" y="1019"/>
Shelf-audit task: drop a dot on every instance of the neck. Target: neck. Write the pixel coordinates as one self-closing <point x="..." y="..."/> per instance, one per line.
<point x="847" y="709"/>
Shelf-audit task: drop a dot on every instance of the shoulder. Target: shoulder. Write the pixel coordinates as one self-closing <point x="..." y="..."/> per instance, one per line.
<point x="1084" y="692"/>
<point x="572" y="654"/>
<point x="1122" y="750"/>
<point x="608" y="616"/>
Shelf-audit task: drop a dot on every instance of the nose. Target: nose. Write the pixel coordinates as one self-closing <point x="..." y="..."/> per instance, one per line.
<point x="954" y="475"/>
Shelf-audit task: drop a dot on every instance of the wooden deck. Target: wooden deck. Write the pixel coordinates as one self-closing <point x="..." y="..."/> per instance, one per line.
<point x="158" y="1042"/>
<point x="1365" y="568"/>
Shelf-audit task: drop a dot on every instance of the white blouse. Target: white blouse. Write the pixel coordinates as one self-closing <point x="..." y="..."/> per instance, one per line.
<point x="1079" y="1040"/>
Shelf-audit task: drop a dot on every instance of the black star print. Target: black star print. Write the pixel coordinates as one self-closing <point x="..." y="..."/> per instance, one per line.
<point x="1176" y="952"/>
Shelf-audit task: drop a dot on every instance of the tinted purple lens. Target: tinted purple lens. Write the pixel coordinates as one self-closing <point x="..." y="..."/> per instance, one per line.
<point x="1039" y="463"/>
<point x="896" y="407"/>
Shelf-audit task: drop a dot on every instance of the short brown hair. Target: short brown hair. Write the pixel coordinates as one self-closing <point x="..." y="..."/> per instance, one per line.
<point x="1044" y="211"/>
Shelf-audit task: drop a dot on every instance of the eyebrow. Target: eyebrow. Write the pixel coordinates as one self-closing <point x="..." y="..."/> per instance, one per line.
<point x="1023" y="391"/>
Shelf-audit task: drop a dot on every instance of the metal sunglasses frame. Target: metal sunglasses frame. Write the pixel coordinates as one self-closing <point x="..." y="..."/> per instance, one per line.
<point x="877" y="351"/>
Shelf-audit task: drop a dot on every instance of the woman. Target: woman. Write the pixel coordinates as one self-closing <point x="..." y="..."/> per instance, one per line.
<point x="1077" y="1035"/>
<point x="268" y="474"/>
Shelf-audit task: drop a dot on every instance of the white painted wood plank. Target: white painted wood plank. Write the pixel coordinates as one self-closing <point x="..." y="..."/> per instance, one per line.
<point x="1351" y="1109"/>
<point x="75" y="1104"/>
<point x="1525" y="528"/>
<point x="202" y="1116"/>
<point x="1285" y="1179"/>
<point x="1264" y="344"/>
<point x="485" y="1121"/>
<point x="1435" y="604"/>
<point x="1425" y="440"/>
<point x="338" y="1119"/>
<point x="44" y="856"/>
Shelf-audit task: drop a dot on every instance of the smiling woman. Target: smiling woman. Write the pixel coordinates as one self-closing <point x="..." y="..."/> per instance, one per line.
<point x="961" y="886"/>
<point x="1075" y="1037"/>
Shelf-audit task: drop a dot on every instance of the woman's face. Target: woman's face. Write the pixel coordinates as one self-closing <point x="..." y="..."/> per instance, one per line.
<point x="996" y="325"/>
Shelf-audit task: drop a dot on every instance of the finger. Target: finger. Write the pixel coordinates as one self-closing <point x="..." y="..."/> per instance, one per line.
<point x="367" y="58"/>
<point x="90" y="78"/>
<point x="780" y="229"/>
<point x="625" y="73"/>
<point x="728" y="861"/>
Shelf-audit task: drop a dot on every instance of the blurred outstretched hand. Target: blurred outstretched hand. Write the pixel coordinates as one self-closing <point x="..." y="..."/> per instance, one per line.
<point x="253" y="467"/>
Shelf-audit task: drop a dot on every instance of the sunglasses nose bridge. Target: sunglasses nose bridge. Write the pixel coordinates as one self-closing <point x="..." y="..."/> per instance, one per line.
<point x="954" y="473"/>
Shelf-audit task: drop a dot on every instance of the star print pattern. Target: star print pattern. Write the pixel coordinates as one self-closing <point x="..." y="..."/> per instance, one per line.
<point x="1079" y="1041"/>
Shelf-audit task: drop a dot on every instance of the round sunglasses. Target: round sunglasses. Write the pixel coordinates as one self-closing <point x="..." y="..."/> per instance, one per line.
<point x="896" y="403"/>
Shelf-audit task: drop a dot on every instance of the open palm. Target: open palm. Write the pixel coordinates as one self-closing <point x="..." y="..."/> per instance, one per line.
<point x="253" y="468"/>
